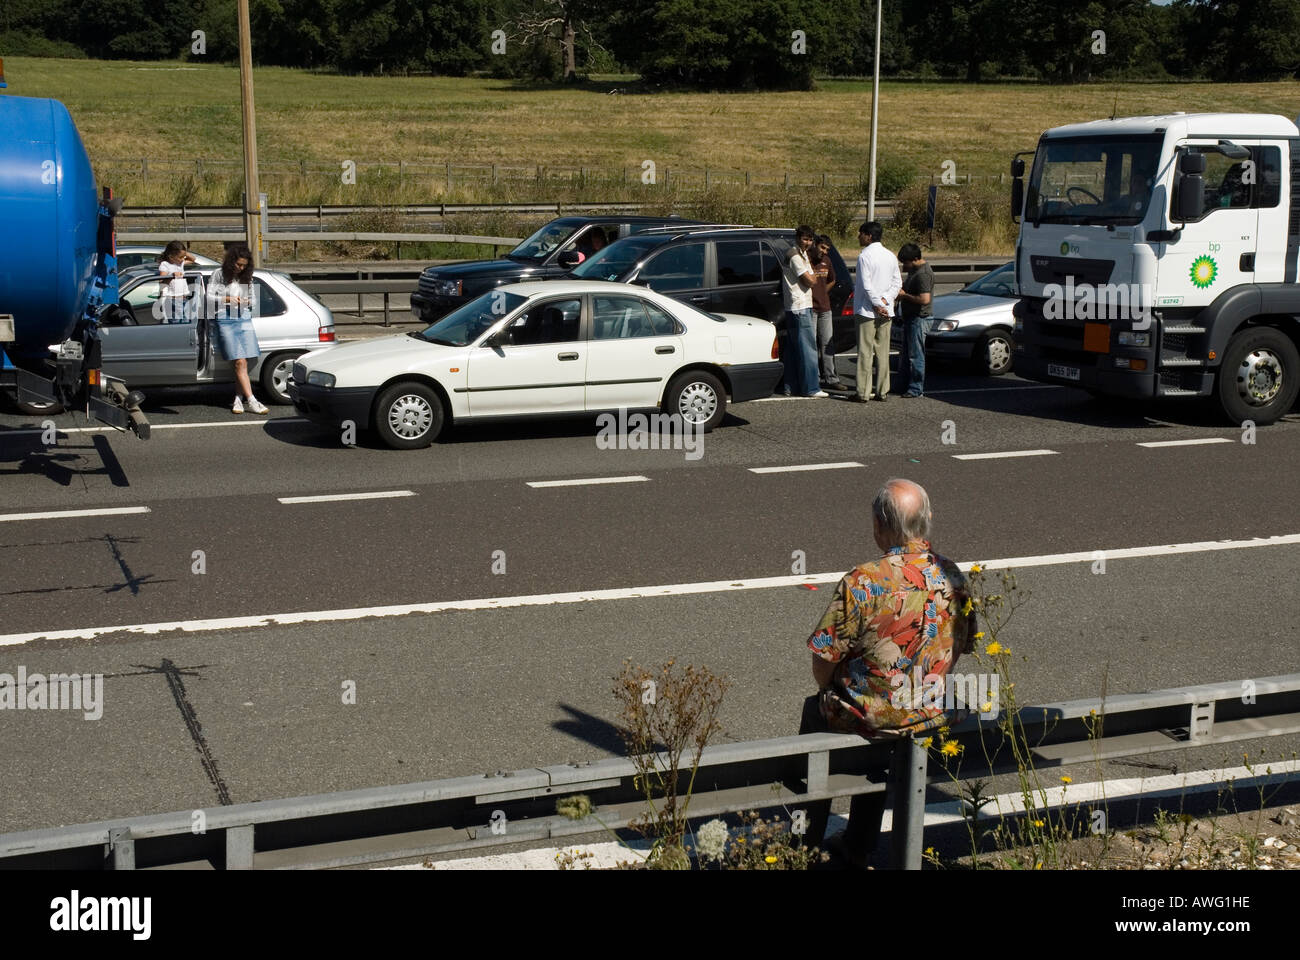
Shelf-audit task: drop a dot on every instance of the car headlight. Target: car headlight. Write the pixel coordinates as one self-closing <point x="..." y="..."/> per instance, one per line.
<point x="319" y="378"/>
<point x="1131" y="338"/>
<point x="943" y="326"/>
<point x="447" y="288"/>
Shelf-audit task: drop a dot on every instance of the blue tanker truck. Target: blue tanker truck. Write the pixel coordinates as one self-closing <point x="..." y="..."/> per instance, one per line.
<point x="58" y="276"/>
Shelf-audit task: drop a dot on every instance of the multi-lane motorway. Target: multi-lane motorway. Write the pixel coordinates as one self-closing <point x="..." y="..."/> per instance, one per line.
<point x="230" y="617"/>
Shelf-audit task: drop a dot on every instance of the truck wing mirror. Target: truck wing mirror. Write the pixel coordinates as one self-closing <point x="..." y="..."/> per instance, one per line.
<point x="1233" y="151"/>
<point x="1191" y="163"/>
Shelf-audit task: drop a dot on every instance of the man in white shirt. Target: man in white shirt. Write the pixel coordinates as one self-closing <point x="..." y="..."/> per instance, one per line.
<point x="800" y="327"/>
<point x="874" y="290"/>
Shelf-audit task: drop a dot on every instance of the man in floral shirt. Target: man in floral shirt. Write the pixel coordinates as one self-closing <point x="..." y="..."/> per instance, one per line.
<point x="893" y="630"/>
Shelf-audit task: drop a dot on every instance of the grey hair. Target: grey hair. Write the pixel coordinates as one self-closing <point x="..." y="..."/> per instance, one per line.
<point x="891" y="516"/>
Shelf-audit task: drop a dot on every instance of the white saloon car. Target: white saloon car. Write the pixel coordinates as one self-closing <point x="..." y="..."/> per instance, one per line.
<point x="542" y="349"/>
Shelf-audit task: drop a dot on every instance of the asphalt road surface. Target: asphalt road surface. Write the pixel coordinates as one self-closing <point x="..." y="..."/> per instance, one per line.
<point x="228" y="623"/>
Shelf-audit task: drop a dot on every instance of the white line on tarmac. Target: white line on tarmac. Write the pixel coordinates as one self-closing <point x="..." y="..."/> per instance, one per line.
<point x="329" y="498"/>
<point x="1007" y="453"/>
<point x="162" y="426"/>
<point x="619" y="593"/>
<point x="1186" y="443"/>
<point x="59" y="514"/>
<point x="609" y="854"/>
<point x="806" y="466"/>
<point x="579" y="483"/>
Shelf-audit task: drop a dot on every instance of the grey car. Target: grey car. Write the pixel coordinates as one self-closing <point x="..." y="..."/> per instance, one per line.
<point x="144" y="347"/>
<point x="974" y="324"/>
<point x="136" y="255"/>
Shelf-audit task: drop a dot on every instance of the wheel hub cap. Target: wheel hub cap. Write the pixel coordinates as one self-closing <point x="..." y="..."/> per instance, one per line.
<point x="698" y="403"/>
<point x="410" y="417"/>
<point x="1259" y="378"/>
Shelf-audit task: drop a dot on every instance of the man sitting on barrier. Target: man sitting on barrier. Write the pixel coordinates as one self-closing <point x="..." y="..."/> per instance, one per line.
<point x="893" y="630"/>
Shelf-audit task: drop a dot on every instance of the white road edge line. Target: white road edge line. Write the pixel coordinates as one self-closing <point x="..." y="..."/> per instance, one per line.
<point x="1185" y="443"/>
<point x="329" y="498"/>
<point x="578" y="483"/>
<point x="1007" y="453"/>
<point x="618" y="593"/>
<point x="162" y="426"/>
<point x="60" y="514"/>
<point x="806" y="466"/>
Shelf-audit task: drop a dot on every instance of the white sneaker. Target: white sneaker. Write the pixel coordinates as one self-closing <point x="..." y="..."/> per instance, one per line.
<point x="238" y="406"/>
<point x="819" y="393"/>
<point x="257" y="406"/>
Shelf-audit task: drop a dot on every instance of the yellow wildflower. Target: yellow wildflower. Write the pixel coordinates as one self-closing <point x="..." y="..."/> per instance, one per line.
<point x="1038" y="823"/>
<point x="769" y="859"/>
<point x="1066" y="780"/>
<point x="967" y="608"/>
<point x="740" y="839"/>
<point x="979" y="635"/>
<point x="986" y="707"/>
<point x="926" y="742"/>
<point x="975" y="568"/>
<point x="951" y="748"/>
<point x="994" y="648"/>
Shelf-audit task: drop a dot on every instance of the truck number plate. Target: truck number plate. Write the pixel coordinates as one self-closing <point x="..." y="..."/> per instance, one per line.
<point x="1056" y="370"/>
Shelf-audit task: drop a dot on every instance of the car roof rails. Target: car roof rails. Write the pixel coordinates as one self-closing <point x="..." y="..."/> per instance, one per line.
<point x="697" y="227"/>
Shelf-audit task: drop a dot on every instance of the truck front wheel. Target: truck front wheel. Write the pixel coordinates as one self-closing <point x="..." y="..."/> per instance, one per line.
<point x="1259" y="377"/>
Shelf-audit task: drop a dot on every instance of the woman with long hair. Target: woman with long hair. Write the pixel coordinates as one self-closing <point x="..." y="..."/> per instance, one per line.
<point x="230" y="297"/>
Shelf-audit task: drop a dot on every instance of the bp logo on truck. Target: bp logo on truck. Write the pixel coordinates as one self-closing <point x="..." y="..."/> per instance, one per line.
<point x="1204" y="270"/>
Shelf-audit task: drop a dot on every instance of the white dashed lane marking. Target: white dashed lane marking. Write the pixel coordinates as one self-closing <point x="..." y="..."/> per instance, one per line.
<point x="806" y="466"/>
<point x="1185" y="443"/>
<point x="61" y="514"/>
<point x="1005" y="453"/>
<point x="329" y="498"/>
<point x="578" y="483"/>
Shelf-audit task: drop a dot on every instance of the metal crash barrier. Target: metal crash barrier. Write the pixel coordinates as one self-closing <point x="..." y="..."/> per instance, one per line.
<point x="490" y="810"/>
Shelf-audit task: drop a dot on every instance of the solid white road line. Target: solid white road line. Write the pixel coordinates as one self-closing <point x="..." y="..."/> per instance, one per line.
<point x="59" y="514"/>
<point x="247" y="422"/>
<point x="1007" y="453"/>
<point x="579" y="483"/>
<point x="619" y="593"/>
<point x="1186" y="443"/>
<point x="806" y="466"/>
<point x="329" y="498"/>
<point x="608" y="855"/>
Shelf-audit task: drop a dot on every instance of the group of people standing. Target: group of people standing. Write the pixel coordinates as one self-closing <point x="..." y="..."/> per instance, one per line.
<point x="879" y="293"/>
<point x="229" y="301"/>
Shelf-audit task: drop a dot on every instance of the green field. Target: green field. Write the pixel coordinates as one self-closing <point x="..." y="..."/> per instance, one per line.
<point x="173" y="113"/>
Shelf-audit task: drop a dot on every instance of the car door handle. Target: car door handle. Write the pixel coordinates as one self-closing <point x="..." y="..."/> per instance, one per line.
<point x="1247" y="262"/>
<point x="666" y="349"/>
<point x="566" y="356"/>
<point x="699" y="299"/>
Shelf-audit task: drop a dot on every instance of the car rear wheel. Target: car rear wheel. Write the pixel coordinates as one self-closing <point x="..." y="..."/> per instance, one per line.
<point x="994" y="352"/>
<point x="698" y="397"/>
<point x="408" y="416"/>
<point x="276" y="370"/>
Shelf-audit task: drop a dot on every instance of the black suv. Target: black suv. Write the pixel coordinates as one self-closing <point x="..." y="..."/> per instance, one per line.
<point x="727" y="270"/>
<point x="549" y="253"/>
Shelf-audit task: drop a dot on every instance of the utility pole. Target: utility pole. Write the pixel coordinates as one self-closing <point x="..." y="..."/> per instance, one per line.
<point x="875" y="113"/>
<point x="252" y="214"/>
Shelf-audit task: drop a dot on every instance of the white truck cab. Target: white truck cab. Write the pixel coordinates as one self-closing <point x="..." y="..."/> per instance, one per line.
<point x="1158" y="256"/>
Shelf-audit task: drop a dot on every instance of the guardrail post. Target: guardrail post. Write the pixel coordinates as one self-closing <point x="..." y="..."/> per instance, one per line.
<point x="122" y="846"/>
<point x="239" y="847"/>
<point x="385" y="308"/>
<point x="1201" y="726"/>
<point x="909" y="766"/>
<point x="361" y="313"/>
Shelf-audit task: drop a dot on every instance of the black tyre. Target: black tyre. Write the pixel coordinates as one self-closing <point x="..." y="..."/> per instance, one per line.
<point x="994" y="352"/>
<point x="1259" y="377"/>
<point x="51" y="409"/>
<point x="698" y="397"/>
<point x="274" y="377"/>
<point x="409" y="416"/>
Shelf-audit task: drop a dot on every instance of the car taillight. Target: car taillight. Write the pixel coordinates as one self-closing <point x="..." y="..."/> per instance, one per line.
<point x="327" y="335"/>
<point x="847" y="311"/>
<point x="776" y="352"/>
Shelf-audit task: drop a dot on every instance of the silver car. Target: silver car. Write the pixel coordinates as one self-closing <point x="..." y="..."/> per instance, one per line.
<point x="974" y="324"/>
<point x="135" y="255"/>
<point x="144" y="347"/>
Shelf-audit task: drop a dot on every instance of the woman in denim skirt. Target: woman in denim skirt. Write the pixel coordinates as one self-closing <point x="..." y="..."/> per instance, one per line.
<point x="230" y="299"/>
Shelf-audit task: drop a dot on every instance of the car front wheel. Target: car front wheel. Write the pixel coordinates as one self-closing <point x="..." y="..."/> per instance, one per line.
<point x="276" y="371"/>
<point x="408" y="416"/>
<point x="698" y="397"/>
<point x="993" y="353"/>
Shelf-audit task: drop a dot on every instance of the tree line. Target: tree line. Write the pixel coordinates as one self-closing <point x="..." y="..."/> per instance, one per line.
<point x="701" y="44"/>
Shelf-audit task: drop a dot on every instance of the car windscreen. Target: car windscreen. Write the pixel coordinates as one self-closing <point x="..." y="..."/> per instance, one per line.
<point x="615" y="260"/>
<point x="467" y="323"/>
<point x="540" y="245"/>
<point x="999" y="283"/>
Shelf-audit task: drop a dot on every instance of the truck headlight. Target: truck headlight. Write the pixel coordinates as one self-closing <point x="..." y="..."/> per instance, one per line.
<point x="319" y="378"/>
<point x="447" y="288"/>
<point x="1131" y="338"/>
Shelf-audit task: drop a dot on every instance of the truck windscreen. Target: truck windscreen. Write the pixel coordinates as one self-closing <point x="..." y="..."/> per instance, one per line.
<point x="1099" y="180"/>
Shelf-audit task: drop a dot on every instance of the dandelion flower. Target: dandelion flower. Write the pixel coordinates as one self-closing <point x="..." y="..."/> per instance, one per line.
<point x="769" y="859"/>
<point x="975" y="568"/>
<point x="1066" y="780"/>
<point x="979" y="635"/>
<point x="1038" y="823"/>
<point x="951" y="748"/>
<point x="994" y="648"/>
<point x="929" y="851"/>
<point x="926" y="742"/>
